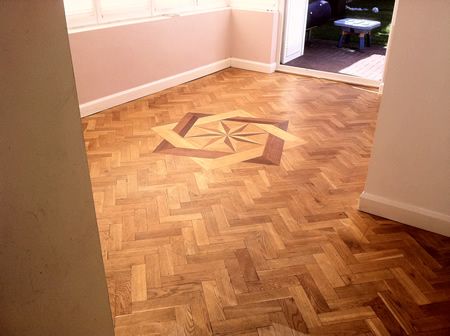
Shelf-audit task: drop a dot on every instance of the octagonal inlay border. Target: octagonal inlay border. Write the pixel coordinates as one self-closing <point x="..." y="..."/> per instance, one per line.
<point x="269" y="153"/>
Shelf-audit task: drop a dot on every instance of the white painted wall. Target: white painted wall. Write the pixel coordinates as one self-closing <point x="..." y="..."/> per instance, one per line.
<point x="409" y="174"/>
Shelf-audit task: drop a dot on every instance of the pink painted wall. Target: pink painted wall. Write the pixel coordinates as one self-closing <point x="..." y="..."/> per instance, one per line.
<point x="114" y="59"/>
<point x="254" y="35"/>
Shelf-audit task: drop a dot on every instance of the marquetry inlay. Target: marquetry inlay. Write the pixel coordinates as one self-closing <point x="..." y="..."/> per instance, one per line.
<point x="253" y="249"/>
<point x="218" y="140"/>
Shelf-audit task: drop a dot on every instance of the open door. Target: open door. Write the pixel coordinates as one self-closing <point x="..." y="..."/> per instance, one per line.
<point x="295" y="16"/>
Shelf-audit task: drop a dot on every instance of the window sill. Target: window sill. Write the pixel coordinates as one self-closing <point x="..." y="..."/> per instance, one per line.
<point x="142" y="20"/>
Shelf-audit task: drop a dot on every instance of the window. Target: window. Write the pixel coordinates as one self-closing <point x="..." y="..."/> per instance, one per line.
<point x="171" y="6"/>
<point x="267" y="5"/>
<point x="80" y="12"/>
<point x="89" y="12"/>
<point x="204" y="4"/>
<point x="111" y="10"/>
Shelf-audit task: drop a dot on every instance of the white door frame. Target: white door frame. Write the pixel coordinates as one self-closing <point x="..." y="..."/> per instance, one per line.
<point x="299" y="43"/>
<point x="315" y="73"/>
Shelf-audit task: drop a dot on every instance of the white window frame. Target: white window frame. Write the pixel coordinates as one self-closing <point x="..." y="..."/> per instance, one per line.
<point x="81" y="20"/>
<point x="256" y="5"/>
<point x="113" y="16"/>
<point x="205" y="4"/>
<point x="172" y="10"/>
<point x="100" y="18"/>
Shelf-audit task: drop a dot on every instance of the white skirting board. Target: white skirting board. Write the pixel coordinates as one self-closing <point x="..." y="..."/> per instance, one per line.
<point x="405" y="213"/>
<point x="252" y="65"/>
<point x="122" y="97"/>
<point x="337" y="77"/>
<point x="137" y="92"/>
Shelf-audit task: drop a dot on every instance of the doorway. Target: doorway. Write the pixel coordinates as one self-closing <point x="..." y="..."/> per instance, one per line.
<point x="344" y="40"/>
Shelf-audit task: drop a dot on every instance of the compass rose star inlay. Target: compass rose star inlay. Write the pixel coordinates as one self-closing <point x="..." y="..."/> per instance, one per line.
<point x="227" y="136"/>
<point x="218" y="140"/>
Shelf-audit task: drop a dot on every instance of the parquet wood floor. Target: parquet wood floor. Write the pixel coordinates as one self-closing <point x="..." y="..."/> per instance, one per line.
<point x="258" y="249"/>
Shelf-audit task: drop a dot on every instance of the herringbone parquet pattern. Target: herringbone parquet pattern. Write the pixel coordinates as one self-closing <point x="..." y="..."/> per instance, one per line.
<point x="254" y="249"/>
